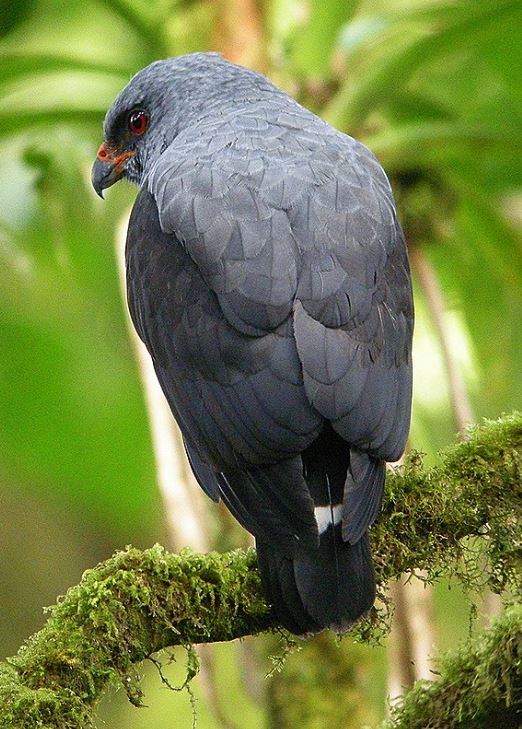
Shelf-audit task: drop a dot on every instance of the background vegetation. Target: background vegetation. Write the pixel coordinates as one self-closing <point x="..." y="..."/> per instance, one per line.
<point x="433" y="87"/>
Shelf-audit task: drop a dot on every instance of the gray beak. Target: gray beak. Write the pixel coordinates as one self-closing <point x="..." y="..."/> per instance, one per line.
<point x="108" y="167"/>
<point x="104" y="174"/>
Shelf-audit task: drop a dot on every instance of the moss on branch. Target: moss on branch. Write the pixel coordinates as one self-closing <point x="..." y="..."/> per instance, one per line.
<point x="124" y="610"/>
<point x="434" y="518"/>
<point x="479" y="686"/>
<point x="139" y="602"/>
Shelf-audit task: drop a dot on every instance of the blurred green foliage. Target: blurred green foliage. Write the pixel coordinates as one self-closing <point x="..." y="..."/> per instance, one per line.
<point x="432" y="86"/>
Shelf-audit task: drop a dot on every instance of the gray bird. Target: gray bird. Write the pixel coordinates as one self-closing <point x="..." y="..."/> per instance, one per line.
<point x="268" y="277"/>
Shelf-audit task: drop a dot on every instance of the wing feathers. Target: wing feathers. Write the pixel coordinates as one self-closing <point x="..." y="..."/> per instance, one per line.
<point x="272" y="500"/>
<point x="362" y="495"/>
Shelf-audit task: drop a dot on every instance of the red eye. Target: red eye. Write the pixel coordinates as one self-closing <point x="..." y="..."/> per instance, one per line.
<point x="138" y="122"/>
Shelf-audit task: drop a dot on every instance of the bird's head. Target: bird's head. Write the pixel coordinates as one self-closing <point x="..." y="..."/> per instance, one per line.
<point x="137" y="127"/>
<point x="159" y="102"/>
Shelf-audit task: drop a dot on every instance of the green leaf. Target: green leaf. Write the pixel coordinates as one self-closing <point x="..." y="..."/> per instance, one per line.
<point x="312" y="44"/>
<point x="14" y="64"/>
<point x="425" y="142"/>
<point x="388" y="69"/>
<point x="13" y="13"/>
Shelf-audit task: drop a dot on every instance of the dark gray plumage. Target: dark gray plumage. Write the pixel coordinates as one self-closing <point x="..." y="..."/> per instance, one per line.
<point x="268" y="277"/>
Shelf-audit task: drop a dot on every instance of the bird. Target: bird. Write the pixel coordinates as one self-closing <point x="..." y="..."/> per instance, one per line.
<point x="267" y="275"/>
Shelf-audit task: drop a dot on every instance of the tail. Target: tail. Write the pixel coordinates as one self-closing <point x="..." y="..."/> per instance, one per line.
<point x="310" y="515"/>
<point x="331" y="587"/>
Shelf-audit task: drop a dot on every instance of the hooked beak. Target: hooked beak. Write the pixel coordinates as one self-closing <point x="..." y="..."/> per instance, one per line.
<point x="108" y="168"/>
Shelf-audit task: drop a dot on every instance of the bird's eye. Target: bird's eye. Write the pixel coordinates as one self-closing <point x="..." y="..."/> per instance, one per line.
<point x="138" y="122"/>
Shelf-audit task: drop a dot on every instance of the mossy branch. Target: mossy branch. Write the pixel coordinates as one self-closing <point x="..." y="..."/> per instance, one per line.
<point x="124" y="610"/>
<point x="139" y="602"/>
<point x="436" y="519"/>
<point x="479" y="686"/>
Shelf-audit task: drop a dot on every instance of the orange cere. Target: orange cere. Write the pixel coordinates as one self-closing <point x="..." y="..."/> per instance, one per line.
<point x="108" y="155"/>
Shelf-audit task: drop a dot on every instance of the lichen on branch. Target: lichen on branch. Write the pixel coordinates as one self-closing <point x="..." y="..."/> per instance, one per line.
<point x="139" y="602"/>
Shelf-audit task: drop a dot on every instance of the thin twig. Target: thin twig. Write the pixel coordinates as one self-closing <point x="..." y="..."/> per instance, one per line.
<point x="182" y="498"/>
<point x="432" y="291"/>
